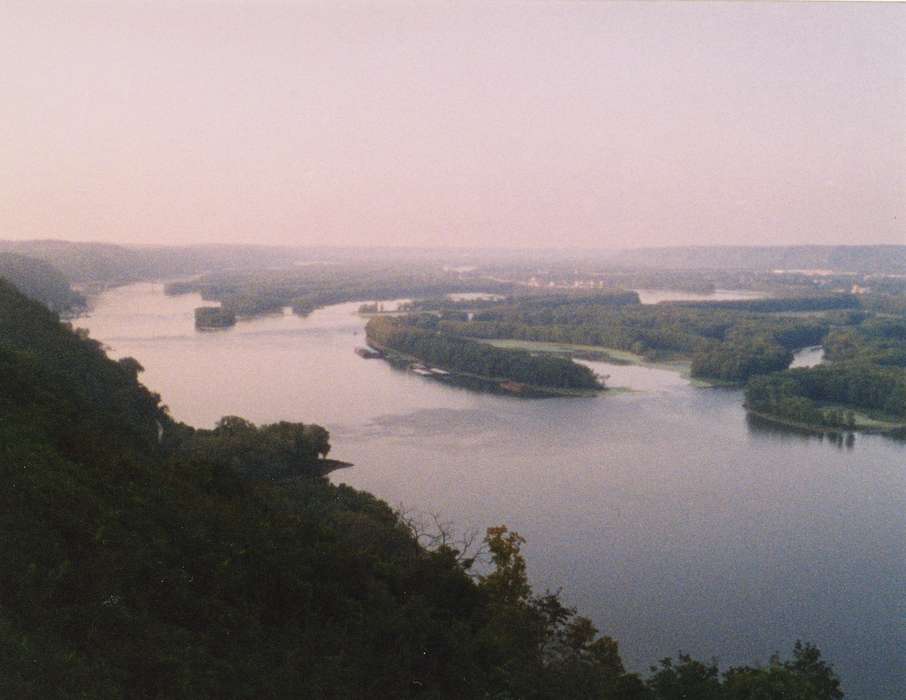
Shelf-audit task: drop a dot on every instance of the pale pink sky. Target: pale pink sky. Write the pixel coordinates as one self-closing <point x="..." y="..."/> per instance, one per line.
<point x="454" y="123"/>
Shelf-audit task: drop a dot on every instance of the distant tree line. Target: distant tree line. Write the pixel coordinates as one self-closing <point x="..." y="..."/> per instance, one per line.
<point x="880" y="341"/>
<point x="861" y="258"/>
<point x="803" y="302"/>
<point x="737" y="361"/>
<point x="310" y="287"/>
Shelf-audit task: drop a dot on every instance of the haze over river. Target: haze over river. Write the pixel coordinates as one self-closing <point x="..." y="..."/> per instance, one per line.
<point x="664" y="513"/>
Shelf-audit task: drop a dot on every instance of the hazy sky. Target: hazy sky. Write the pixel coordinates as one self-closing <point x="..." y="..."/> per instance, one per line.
<point x="454" y="123"/>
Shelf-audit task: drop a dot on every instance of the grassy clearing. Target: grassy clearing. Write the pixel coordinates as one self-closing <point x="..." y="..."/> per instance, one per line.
<point x="801" y="314"/>
<point x="611" y="354"/>
<point x="600" y="353"/>
<point x="873" y="420"/>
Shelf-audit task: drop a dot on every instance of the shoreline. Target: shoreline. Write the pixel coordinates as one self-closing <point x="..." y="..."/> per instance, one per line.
<point x="498" y="385"/>
<point x="865" y="430"/>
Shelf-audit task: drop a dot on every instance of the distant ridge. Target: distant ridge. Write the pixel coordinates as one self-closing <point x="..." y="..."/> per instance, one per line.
<point x="888" y="259"/>
<point x="88" y="262"/>
<point x="109" y="263"/>
<point x="40" y="281"/>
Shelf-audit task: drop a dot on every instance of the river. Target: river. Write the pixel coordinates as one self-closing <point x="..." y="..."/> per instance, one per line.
<point x="663" y="513"/>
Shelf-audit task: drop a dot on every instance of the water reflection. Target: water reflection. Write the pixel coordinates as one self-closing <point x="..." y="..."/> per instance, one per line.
<point x="760" y="427"/>
<point x="765" y="428"/>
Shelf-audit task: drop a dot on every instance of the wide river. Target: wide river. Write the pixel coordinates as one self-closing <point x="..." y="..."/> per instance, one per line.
<point x="662" y="513"/>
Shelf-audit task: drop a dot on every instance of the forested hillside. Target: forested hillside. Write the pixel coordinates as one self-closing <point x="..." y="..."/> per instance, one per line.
<point x="141" y="558"/>
<point x="40" y="281"/>
<point x="724" y="341"/>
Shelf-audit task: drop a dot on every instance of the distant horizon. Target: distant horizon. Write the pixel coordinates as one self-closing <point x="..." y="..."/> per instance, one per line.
<point x="353" y="246"/>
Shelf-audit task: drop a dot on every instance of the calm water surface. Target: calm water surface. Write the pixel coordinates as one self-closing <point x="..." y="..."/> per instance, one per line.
<point x="662" y="513"/>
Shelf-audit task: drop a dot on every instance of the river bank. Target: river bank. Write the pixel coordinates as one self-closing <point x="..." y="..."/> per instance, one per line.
<point x="863" y="424"/>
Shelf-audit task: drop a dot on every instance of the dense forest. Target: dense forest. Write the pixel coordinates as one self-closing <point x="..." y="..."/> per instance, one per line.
<point x="826" y="395"/>
<point x="40" y="281"/>
<point x="731" y="344"/>
<point x="880" y="341"/>
<point x="419" y="337"/>
<point x="144" y="558"/>
<point x="867" y="371"/>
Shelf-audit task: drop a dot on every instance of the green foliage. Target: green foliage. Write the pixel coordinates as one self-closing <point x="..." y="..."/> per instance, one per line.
<point x="687" y="679"/>
<point x="798" y="394"/>
<point x="214" y="317"/>
<point x="537" y="647"/>
<point x="724" y="342"/>
<point x="894" y="304"/>
<point x="419" y="337"/>
<point x="867" y="370"/>
<point x="275" y="451"/>
<point x="308" y="288"/>
<point x="880" y="341"/>
<point x="737" y="361"/>
<point x="804" y="677"/>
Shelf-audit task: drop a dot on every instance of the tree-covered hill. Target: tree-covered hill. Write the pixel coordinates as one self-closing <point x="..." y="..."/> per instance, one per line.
<point x="140" y="558"/>
<point x="83" y="262"/>
<point x="39" y="280"/>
